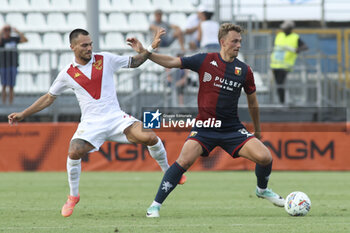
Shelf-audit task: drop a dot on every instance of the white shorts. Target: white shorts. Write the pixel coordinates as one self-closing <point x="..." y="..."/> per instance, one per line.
<point x="96" y="132"/>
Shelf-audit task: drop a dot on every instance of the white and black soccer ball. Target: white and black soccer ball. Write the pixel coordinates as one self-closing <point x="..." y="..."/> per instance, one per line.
<point x="297" y="204"/>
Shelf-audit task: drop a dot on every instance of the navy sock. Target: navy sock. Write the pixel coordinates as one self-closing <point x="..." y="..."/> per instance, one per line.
<point x="262" y="174"/>
<point x="170" y="179"/>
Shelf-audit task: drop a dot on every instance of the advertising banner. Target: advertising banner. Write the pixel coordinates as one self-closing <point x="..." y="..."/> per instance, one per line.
<point x="294" y="146"/>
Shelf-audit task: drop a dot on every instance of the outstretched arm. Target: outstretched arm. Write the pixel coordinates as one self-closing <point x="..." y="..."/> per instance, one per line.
<point x="165" y="60"/>
<point x="143" y="53"/>
<point x="40" y="104"/>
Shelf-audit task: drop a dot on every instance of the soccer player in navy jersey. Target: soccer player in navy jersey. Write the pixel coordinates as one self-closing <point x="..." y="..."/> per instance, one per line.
<point x="222" y="77"/>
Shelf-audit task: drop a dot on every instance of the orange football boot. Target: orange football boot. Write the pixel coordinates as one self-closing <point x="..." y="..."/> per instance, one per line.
<point x="68" y="207"/>
<point x="183" y="179"/>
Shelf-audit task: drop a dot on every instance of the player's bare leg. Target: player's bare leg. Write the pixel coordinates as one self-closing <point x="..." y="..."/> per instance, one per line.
<point x="77" y="149"/>
<point x="257" y="152"/>
<point x="136" y="134"/>
<point x="11" y="95"/>
<point x="189" y="154"/>
<point x="3" y="94"/>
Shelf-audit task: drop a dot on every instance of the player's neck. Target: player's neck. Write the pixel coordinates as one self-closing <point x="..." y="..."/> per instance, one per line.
<point x="226" y="58"/>
<point x="81" y="61"/>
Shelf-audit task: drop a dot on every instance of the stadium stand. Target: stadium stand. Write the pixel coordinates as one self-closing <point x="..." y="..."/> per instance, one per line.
<point x="138" y="22"/>
<point x="19" y="5"/>
<point x="118" y="21"/>
<point x="40" y="5"/>
<point x="57" y="21"/>
<point x="76" y="20"/>
<point x="16" y="19"/>
<point x="124" y="6"/>
<point x="142" y="5"/>
<point x="61" y="5"/>
<point x="114" y="40"/>
<point x="36" y="22"/>
<point x="53" y="41"/>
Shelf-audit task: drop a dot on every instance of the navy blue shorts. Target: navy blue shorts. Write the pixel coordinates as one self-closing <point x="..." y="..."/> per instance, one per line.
<point x="231" y="141"/>
<point x="8" y="76"/>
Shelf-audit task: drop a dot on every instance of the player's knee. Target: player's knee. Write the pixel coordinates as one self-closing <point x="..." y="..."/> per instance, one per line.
<point x="151" y="139"/>
<point x="264" y="158"/>
<point x="74" y="154"/>
<point x="185" y="164"/>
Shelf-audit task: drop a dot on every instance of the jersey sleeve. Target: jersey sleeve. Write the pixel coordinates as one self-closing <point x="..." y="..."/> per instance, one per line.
<point x="249" y="85"/>
<point x="59" y="85"/>
<point x="193" y="62"/>
<point x="116" y="62"/>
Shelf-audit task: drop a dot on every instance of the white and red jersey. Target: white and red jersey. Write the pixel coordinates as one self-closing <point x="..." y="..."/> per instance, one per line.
<point x="93" y="84"/>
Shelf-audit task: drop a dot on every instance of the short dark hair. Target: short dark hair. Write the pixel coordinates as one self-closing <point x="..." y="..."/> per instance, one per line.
<point x="76" y="32"/>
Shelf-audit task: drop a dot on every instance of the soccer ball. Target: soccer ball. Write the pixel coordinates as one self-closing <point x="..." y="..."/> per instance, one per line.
<point x="297" y="204"/>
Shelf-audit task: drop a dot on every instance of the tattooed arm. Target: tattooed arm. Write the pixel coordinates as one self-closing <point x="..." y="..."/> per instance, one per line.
<point x="139" y="59"/>
<point x="143" y="53"/>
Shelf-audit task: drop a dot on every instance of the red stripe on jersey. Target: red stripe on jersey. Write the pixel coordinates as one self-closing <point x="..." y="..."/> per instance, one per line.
<point x="208" y="93"/>
<point x="93" y="85"/>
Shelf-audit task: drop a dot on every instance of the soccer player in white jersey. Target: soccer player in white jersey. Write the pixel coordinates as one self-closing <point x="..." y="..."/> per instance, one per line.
<point x="90" y="75"/>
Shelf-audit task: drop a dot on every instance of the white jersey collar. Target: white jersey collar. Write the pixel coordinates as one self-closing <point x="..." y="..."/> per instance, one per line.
<point x="92" y="60"/>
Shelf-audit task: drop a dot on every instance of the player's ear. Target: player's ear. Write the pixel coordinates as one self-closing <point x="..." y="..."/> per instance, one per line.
<point x="222" y="41"/>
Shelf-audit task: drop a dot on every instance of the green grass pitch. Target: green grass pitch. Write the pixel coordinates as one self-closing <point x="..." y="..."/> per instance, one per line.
<point x="215" y="202"/>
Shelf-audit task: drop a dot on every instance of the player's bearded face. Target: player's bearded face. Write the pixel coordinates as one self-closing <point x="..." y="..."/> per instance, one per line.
<point x="232" y="43"/>
<point x="83" y="48"/>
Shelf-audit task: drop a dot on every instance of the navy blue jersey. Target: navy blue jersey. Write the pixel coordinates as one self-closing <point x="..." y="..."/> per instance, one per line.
<point x="220" y="85"/>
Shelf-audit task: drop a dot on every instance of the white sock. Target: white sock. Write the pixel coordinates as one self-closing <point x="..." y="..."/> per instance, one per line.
<point x="158" y="152"/>
<point x="260" y="190"/>
<point x="154" y="203"/>
<point x="73" y="170"/>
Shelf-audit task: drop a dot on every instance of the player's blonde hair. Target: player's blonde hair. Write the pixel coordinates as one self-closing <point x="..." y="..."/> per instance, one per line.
<point x="225" y="28"/>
